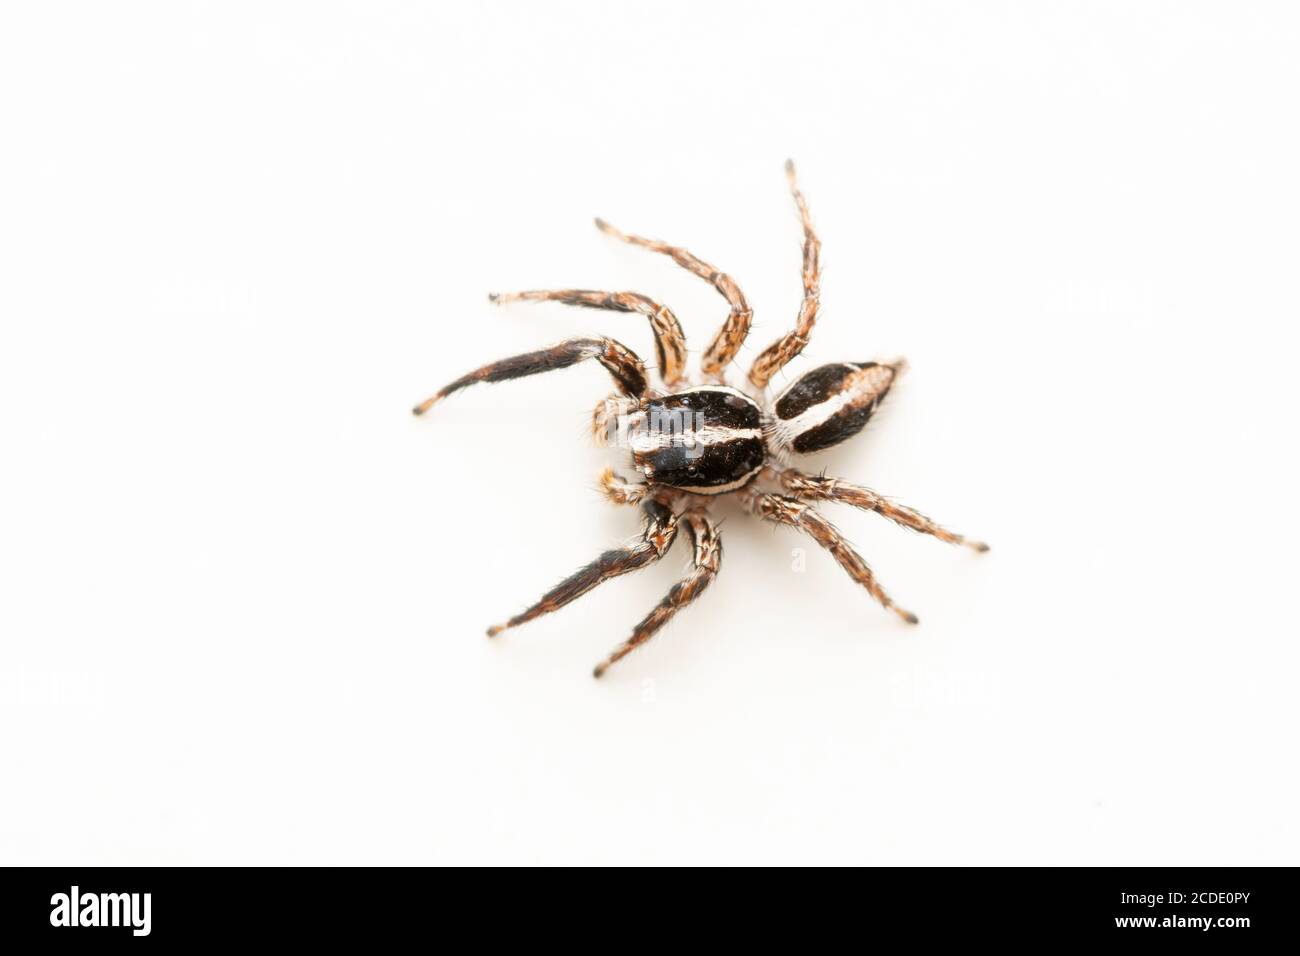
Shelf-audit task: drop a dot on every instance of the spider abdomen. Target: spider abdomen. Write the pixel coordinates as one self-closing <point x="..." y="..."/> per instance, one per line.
<point x="706" y="440"/>
<point x="830" y="403"/>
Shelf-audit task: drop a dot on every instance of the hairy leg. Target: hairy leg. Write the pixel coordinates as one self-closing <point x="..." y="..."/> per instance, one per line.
<point x="622" y="362"/>
<point x="621" y="491"/>
<point x="658" y="529"/>
<point x="705" y="562"/>
<point x="820" y="488"/>
<point x="731" y="336"/>
<point x="670" y="342"/>
<point x="776" y="356"/>
<point x="782" y="509"/>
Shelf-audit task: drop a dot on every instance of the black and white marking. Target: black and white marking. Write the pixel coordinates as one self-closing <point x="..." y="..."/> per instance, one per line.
<point x="829" y="404"/>
<point x="707" y="440"/>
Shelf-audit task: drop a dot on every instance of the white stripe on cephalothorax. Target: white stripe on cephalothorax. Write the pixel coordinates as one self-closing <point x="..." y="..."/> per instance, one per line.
<point x="643" y="440"/>
<point x="717" y="489"/>
<point x="718" y="388"/>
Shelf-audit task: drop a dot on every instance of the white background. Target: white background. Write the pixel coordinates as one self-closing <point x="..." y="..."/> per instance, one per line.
<point x="244" y="591"/>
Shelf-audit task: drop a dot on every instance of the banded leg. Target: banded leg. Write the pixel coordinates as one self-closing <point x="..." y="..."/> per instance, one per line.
<point x="658" y="529"/>
<point x="781" y="509"/>
<point x="707" y="557"/>
<point x="621" y="491"/>
<point x="820" y="488"/>
<point x="731" y="336"/>
<point x="777" y="355"/>
<point x="622" y="362"/>
<point x="670" y="343"/>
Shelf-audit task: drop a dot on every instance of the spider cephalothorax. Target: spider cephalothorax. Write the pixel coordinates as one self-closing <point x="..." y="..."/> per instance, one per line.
<point x="693" y="443"/>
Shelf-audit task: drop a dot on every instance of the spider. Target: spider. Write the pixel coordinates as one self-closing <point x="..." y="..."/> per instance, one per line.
<point x="695" y="443"/>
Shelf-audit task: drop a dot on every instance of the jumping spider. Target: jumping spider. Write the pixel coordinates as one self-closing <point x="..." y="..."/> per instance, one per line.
<point x="693" y="444"/>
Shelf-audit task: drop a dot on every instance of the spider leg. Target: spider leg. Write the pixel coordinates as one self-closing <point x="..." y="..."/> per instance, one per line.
<point x="622" y="362"/>
<point x="707" y="557"/>
<point x="775" y="357"/>
<point x="782" y="509"/>
<point x="731" y="336"/>
<point x="670" y="343"/>
<point x="621" y="491"/>
<point x="820" y="488"/>
<point x="658" y="529"/>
